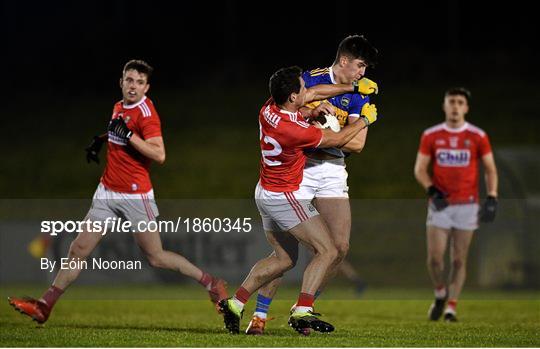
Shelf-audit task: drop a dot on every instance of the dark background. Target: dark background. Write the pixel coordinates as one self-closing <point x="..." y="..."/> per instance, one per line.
<point x="212" y="62"/>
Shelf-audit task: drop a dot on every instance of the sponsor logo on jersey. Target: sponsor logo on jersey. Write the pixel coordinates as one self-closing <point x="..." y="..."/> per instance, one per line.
<point x="345" y="101"/>
<point x="453" y="157"/>
<point x="270" y="117"/>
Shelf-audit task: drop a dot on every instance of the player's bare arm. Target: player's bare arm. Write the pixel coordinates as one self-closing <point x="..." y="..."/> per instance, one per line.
<point x="347" y="133"/>
<point x="322" y="109"/>
<point x="356" y="145"/>
<point x="492" y="180"/>
<point x="153" y="148"/>
<point x="421" y="172"/>
<point x="323" y="91"/>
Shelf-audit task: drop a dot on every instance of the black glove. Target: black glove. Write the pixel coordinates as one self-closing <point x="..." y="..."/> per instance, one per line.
<point x="119" y="128"/>
<point x="489" y="209"/>
<point x="438" y="198"/>
<point x="93" y="149"/>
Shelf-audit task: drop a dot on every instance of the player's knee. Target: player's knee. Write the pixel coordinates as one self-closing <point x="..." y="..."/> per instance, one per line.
<point x="458" y="263"/>
<point x="329" y="253"/>
<point x="342" y="250"/>
<point x="155" y="260"/>
<point x="435" y="262"/>
<point x="287" y="263"/>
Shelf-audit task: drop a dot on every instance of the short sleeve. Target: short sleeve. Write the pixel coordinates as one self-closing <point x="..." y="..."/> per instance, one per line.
<point x="150" y="126"/>
<point x="357" y="103"/>
<point x="425" y="145"/>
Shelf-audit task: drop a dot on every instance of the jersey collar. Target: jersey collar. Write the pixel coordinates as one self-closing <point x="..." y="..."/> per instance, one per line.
<point x="290" y="113"/>
<point x="332" y="75"/>
<point x="455" y="130"/>
<point x="131" y="106"/>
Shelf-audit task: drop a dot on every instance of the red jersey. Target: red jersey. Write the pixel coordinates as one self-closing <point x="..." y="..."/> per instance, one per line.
<point x="455" y="154"/>
<point x="127" y="170"/>
<point x="284" y="136"/>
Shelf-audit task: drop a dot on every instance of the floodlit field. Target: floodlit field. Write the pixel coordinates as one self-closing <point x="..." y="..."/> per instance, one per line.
<point x="180" y="316"/>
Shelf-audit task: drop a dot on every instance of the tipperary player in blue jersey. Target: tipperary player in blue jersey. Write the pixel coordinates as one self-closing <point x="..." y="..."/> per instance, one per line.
<point x="325" y="176"/>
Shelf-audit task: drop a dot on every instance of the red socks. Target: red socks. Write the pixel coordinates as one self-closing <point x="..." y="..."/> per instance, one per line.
<point x="51" y="296"/>
<point x="242" y="295"/>
<point x="206" y="280"/>
<point x="305" y="300"/>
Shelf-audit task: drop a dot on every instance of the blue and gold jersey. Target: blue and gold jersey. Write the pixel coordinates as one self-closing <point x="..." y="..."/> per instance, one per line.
<point x="347" y="104"/>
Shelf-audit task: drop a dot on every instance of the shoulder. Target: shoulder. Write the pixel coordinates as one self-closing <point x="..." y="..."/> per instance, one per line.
<point x="147" y="108"/>
<point x="476" y="130"/>
<point x="317" y="76"/>
<point x="433" y="129"/>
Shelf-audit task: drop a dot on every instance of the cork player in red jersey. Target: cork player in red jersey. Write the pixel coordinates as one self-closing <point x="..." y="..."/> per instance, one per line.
<point x="287" y="213"/>
<point x="134" y="140"/>
<point x="454" y="150"/>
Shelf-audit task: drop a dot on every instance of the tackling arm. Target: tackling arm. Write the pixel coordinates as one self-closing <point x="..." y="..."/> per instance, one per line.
<point x="356" y="145"/>
<point x="338" y="139"/>
<point x="319" y="92"/>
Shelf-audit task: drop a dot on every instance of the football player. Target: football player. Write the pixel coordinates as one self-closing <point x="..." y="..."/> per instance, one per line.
<point x="286" y="210"/>
<point x="453" y="150"/>
<point x="125" y="190"/>
<point x="325" y="174"/>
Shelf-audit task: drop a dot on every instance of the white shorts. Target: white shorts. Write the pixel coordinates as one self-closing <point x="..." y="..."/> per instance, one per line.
<point x="462" y="217"/>
<point x="324" y="178"/>
<point x="130" y="207"/>
<point x="283" y="211"/>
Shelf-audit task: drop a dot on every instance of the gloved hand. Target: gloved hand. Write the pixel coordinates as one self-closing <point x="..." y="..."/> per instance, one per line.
<point x="365" y="86"/>
<point x="369" y="113"/>
<point x="93" y="149"/>
<point x="438" y="198"/>
<point x="119" y="128"/>
<point x="489" y="209"/>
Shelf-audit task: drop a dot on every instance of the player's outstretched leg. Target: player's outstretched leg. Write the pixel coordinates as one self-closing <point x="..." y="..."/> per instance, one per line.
<point x="40" y="309"/>
<point x="232" y="313"/>
<point x="150" y="244"/>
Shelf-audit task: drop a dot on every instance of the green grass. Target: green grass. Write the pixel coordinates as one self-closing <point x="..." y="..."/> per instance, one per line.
<point x="487" y="319"/>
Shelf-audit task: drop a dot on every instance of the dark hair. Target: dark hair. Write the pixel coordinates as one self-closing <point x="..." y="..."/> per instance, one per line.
<point x="459" y="91"/>
<point x="284" y="82"/>
<point x="139" y="65"/>
<point x="357" y="47"/>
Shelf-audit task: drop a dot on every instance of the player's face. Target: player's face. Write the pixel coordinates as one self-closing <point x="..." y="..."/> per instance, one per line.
<point x="134" y="86"/>
<point x="455" y="107"/>
<point x="299" y="98"/>
<point x="353" y="69"/>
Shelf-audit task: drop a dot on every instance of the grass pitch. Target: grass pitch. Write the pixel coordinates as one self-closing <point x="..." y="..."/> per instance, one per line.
<point x="154" y="317"/>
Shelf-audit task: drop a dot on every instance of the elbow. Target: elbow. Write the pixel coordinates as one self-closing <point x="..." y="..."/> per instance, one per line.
<point x="357" y="149"/>
<point x="160" y="159"/>
<point x="417" y="174"/>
